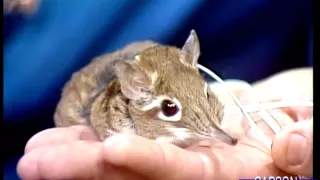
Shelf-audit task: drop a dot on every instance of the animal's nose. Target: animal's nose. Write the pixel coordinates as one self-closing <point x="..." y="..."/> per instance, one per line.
<point x="224" y="137"/>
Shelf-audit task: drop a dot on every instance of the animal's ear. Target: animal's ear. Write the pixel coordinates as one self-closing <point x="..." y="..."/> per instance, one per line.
<point x="191" y="50"/>
<point x="135" y="84"/>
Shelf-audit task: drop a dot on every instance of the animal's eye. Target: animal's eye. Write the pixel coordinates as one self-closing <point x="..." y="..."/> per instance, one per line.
<point x="169" y="108"/>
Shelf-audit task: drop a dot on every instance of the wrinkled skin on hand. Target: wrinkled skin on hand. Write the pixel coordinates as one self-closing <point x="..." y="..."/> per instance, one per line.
<point x="76" y="153"/>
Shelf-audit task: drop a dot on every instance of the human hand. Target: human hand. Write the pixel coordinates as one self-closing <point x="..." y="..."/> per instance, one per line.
<point x="292" y="149"/>
<point x="293" y="155"/>
<point x="26" y="7"/>
<point x="75" y="153"/>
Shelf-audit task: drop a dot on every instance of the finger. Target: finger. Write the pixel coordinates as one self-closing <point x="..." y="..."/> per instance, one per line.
<point x="292" y="148"/>
<point x="60" y="135"/>
<point x="62" y="161"/>
<point x="166" y="161"/>
<point x="156" y="160"/>
<point x="75" y="160"/>
<point x="299" y="113"/>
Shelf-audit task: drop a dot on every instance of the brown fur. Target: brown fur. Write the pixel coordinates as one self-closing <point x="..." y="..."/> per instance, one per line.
<point x="85" y="85"/>
<point x="111" y="97"/>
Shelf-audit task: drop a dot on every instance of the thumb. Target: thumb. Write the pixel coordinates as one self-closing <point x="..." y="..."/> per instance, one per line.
<point x="292" y="149"/>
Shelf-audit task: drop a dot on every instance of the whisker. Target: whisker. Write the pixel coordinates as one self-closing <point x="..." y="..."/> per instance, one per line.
<point x="239" y="104"/>
<point x="266" y="116"/>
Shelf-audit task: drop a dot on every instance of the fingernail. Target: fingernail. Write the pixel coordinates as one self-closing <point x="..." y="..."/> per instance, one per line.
<point x="297" y="149"/>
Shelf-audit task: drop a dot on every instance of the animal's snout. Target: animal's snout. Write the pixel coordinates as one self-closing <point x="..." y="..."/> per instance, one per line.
<point x="224" y="137"/>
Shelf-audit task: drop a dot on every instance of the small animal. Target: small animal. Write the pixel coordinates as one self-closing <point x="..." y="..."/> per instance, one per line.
<point x="148" y="89"/>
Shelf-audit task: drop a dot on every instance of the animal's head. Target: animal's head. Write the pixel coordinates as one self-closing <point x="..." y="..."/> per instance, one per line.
<point x="169" y="99"/>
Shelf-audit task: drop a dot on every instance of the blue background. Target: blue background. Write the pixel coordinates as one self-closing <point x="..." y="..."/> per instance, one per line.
<point x="248" y="39"/>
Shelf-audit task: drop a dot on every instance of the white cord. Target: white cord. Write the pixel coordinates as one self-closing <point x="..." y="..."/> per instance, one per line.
<point x="265" y="115"/>
<point x="236" y="100"/>
<point x="234" y="110"/>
